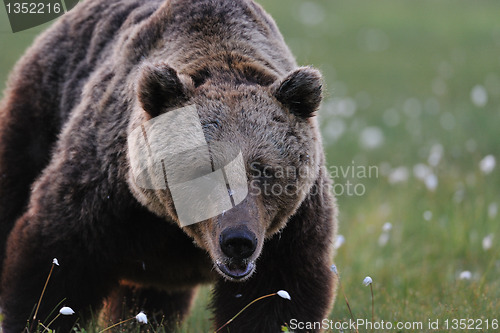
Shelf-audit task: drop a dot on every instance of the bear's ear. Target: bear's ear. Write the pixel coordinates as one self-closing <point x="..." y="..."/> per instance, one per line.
<point x="300" y="91"/>
<point x="161" y="88"/>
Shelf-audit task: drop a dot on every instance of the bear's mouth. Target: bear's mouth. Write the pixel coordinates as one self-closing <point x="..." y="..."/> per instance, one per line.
<point x="236" y="269"/>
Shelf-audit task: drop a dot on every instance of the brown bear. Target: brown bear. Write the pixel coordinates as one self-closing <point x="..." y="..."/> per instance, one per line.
<point x="68" y="189"/>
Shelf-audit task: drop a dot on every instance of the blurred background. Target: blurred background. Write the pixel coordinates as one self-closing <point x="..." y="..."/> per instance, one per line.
<point x="411" y="128"/>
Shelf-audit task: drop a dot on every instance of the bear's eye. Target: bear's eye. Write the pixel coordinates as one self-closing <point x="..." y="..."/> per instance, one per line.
<point x="279" y="119"/>
<point x="212" y="124"/>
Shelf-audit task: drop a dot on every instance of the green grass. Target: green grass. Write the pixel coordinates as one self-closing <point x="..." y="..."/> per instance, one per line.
<point x="414" y="46"/>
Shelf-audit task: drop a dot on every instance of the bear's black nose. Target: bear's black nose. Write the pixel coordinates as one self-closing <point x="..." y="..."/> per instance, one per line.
<point x="238" y="242"/>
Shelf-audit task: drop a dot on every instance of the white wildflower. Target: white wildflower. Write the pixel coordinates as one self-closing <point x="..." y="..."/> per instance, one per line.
<point x="367" y="281"/>
<point x="421" y="171"/>
<point x="431" y="182"/>
<point x="339" y="241"/>
<point x="492" y="210"/>
<point x="142" y="318"/>
<point x="66" y="311"/>
<point x="479" y="96"/>
<point x="435" y="154"/>
<point x="487" y="164"/>
<point x="371" y="138"/>
<point x="334" y="129"/>
<point x="387" y="226"/>
<point x="398" y="175"/>
<point x="465" y="275"/>
<point x="55" y="262"/>
<point x="383" y="239"/>
<point x="284" y="294"/>
<point x="427" y="215"/>
<point x="488" y="242"/>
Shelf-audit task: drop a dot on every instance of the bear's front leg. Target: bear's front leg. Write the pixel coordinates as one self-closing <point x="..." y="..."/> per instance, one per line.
<point x="80" y="282"/>
<point x="163" y="308"/>
<point x="298" y="261"/>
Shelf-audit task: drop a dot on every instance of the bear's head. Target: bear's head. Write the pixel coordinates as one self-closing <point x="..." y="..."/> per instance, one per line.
<point x="229" y="162"/>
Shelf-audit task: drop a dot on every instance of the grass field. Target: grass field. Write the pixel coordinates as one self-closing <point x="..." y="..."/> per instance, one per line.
<point x="413" y="91"/>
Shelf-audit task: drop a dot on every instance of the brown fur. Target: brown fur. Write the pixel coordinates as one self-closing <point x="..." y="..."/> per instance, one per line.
<point x="65" y="185"/>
